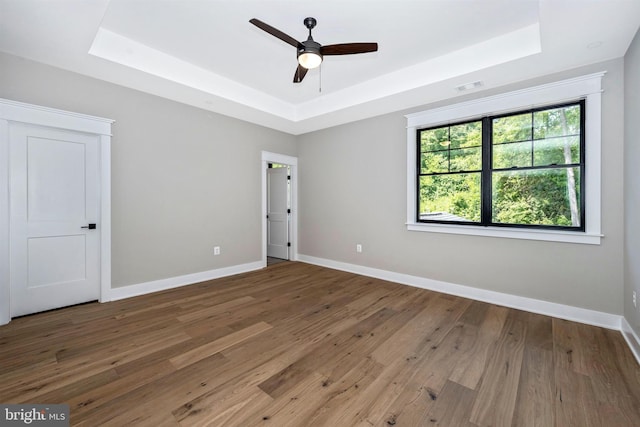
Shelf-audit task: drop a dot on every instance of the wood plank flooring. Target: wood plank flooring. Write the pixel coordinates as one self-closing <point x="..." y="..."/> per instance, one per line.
<point x="301" y="345"/>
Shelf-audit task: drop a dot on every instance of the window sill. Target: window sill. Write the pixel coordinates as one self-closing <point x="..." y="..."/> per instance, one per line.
<point x="510" y="233"/>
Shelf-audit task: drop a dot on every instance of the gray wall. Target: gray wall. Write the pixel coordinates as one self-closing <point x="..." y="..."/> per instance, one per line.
<point x="353" y="181"/>
<point x="183" y="179"/>
<point x="632" y="182"/>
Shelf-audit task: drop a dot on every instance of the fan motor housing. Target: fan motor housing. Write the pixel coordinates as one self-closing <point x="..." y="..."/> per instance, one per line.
<point x="310" y="46"/>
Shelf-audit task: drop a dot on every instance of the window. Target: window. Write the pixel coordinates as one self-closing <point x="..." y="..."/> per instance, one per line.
<point x="520" y="169"/>
<point x="450" y="173"/>
<point x="523" y="164"/>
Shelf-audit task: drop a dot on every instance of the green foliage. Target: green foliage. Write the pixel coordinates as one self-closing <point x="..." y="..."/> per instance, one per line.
<point x="458" y="194"/>
<point x="512" y="128"/>
<point x="451" y="161"/>
<point x="532" y="197"/>
<point x="449" y="149"/>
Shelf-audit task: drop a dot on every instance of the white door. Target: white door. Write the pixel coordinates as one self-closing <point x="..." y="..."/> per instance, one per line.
<point x="54" y="196"/>
<point x="277" y="213"/>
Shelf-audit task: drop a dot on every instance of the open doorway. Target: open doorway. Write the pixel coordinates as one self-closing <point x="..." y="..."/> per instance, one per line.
<point x="278" y="212"/>
<point x="279" y="208"/>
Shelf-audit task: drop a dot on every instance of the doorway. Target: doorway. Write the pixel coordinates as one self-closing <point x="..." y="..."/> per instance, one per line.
<point x="278" y="212"/>
<point x="279" y="208"/>
<point x="55" y="228"/>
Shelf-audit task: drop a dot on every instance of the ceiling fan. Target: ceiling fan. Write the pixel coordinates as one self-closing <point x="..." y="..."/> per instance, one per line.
<point x="310" y="52"/>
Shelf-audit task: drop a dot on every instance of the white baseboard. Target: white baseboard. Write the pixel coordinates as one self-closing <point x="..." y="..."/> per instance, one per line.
<point x="567" y="312"/>
<point x="175" y="282"/>
<point x="632" y="339"/>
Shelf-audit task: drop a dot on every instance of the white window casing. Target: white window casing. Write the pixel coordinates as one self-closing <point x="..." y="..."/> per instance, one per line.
<point x="587" y="87"/>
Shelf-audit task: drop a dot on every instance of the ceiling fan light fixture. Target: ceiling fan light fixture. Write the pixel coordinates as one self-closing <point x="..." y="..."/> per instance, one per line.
<point x="310" y="52"/>
<point x="309" y="60"/>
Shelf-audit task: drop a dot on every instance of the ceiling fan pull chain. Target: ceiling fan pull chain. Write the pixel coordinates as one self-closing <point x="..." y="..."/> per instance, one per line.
<point x="320" y="81"/>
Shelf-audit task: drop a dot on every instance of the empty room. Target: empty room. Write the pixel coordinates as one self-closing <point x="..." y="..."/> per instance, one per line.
<point x="320" y="213"/>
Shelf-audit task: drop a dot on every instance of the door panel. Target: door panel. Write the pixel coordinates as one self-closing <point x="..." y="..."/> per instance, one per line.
<point x="277" y="213"/>
<point x="54" y="260"/>
<point x="54" y="192"/>
<point x="55" y="180"/>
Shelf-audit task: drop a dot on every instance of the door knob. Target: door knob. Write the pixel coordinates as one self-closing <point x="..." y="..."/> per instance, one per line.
<point x="90" y="226"/>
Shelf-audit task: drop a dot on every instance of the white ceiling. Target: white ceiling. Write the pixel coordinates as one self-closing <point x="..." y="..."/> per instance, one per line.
<point x="205" y="52"/>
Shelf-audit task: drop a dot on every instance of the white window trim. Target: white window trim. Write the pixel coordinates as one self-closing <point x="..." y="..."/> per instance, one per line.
<point x="588" y="87"/>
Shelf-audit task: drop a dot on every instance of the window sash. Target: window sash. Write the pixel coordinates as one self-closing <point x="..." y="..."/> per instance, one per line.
<point x="488" y="170"/>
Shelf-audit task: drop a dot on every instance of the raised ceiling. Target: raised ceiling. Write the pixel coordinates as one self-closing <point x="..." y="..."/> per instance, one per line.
<point x="207" y="54"/>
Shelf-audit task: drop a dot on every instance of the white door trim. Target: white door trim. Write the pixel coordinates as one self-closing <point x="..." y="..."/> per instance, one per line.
<point x="268" y="157"/>
<point x="12" y="111"/>
<point x="5" y="289"/>
<point x="278" y="217"/>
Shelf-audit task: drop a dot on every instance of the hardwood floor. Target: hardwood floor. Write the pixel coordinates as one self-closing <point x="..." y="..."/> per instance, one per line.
<point x="301" y="345"/>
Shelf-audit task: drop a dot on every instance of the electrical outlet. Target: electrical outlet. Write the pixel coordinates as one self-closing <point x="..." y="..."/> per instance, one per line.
<point x="635" y="302"/>
<point x="359" y="248"/>
<point x="216" y="250"/>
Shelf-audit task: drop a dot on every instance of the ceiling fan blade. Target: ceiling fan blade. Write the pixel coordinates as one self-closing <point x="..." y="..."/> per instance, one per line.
<point x="348" y="48"/>
<point x="275" y="32"/>
<point x="300" y="73"/>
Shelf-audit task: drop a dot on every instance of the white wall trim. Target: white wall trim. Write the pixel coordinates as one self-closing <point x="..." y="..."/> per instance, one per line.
<point x="632" y="339"/>
<point x="5" y="289"/>
<point x="179" y="281"/>
<point x="561" y="311"/>
<point x="105" y="216"/>
<point x="15" y="111"/>
<point x="268" y="157"/>
<point x="510" y="233"/>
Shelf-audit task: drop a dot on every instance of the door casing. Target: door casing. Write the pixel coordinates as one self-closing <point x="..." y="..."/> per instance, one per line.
<point x="292" y="162"/>
<point x="277" y="212"/>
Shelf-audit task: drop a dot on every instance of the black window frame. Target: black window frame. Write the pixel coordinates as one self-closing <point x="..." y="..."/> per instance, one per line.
<point x="487" y="170"/>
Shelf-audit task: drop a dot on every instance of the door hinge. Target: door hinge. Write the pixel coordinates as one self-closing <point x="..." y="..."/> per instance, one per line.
<point x="289" y="177"/>
<point x="288" y="210"/>
<point x="289" y="244"/>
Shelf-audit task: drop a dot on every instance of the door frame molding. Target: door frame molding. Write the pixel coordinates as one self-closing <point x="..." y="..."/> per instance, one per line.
<point x="292" y="162"/>
<point x="19" y="112"/>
